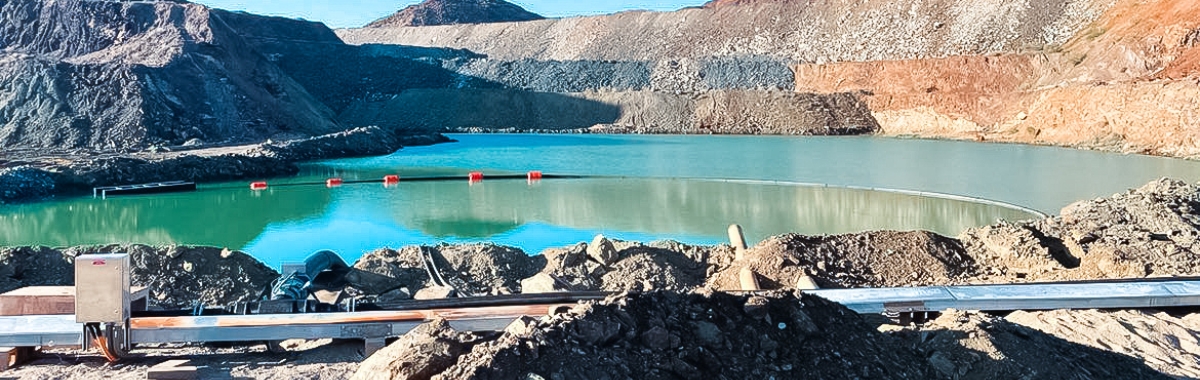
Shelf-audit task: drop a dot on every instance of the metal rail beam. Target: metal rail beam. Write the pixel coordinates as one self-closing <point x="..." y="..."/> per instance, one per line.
<point x="30" y="331"/>
<point x="1096" y="295"/>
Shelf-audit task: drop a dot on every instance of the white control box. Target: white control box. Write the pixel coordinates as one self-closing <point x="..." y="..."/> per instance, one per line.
<point x="102" y="288"/>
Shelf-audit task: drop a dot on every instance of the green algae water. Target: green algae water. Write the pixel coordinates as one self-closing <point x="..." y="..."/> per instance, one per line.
<point x="687" y="188"/>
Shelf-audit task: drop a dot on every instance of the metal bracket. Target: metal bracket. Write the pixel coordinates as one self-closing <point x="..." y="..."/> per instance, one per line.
<point x="378" y="330"/>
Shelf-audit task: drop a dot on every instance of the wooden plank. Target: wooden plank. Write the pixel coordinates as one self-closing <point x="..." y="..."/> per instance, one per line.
<point x="11" y="357"/>
<point x="38" y="300"/>
<point x="53" y="300"/>
<point x="172" y="370"/>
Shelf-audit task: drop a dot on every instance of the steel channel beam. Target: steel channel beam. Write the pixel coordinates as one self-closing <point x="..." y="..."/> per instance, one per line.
<point x="1121" y="295"/>
<point x="337" y="331"/>
<point x="40" y="331"/>
<point x="375" y="324"/>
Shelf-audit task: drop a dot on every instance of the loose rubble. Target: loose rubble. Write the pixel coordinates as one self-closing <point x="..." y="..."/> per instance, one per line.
<point x="179" y="277"/>
<point x="1150" y="231"/>
<point x="672" y="335"/>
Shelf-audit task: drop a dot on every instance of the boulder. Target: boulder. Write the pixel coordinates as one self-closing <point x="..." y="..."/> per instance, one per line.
<point x="542" y="283"/>
<point x="434" y="293"/>
<point x="603" y="251"/>
<point x="421" y="354"/>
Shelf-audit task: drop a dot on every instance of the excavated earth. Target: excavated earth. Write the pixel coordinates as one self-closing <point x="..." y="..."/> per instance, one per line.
<point x="673" y="319"/>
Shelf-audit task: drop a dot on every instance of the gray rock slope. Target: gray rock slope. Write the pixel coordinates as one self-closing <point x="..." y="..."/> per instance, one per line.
<point x="113" y="75"/>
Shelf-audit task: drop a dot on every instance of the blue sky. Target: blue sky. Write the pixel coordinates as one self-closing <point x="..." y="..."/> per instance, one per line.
<point x="346" y="14"/>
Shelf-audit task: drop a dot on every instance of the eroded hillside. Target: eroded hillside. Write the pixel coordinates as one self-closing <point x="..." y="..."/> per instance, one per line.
<point x="114" y="75"/>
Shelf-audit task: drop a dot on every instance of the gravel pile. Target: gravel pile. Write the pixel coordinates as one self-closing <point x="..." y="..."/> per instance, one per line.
<point x="672" y="335"/>
<point x="179" y="277"/>
<point x="1149" y="231"/>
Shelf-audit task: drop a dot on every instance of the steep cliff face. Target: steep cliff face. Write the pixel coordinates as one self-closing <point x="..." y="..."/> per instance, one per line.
<point x="1126" y="82"/>
<point x="448" y="12"/>
<point x="112" y="75"/>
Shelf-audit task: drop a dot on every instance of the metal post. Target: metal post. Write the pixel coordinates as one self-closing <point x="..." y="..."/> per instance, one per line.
<point x="749" y="280"/>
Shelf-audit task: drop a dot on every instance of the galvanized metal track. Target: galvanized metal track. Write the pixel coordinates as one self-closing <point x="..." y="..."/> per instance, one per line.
<point x="1084" y="295"/>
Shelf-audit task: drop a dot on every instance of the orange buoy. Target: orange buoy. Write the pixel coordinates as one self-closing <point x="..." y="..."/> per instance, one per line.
<point x="258" y="186"/>
<point x="333" y="182"/>
<point x="475" y="176"/>
<point x="535" y="175"/>
<point x="391" y="179"/>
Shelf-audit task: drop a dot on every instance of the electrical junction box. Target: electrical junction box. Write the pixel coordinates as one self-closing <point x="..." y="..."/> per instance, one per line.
<point x="102" y="288"/>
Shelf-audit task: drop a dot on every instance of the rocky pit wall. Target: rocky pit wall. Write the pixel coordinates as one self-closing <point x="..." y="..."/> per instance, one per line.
<point x="120" y="76"/>
<point x="830" y="31"/>
<point x="1114" y="75"/>
<point x="713" y="112"/>
<point x="1125" y="83"/>
<point x="690" y="71"/>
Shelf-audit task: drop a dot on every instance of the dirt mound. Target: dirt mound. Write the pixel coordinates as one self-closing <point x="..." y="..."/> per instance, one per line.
<point x="447" y="12"/>
<point x="1150" y="231"/>
<point x="178" y="276"/>
<point x="657" y="266"/>
<point x="670" y="335"/>
<point x="421" y="354"/>
<point x="1164" y="342"/>
<point x="870" y="259"/>
<point x="476" y="269"/>
<point x="35" y="266"/>
<point x="182" y="276"/>
<point x="976" y="346"/>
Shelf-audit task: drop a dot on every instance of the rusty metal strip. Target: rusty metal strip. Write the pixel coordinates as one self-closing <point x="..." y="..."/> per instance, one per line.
<point x="340" y="318"/>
